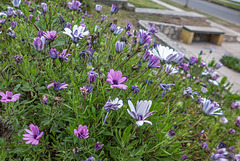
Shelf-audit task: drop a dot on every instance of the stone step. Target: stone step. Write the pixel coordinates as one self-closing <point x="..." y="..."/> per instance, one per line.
<point x="130" y="7"/>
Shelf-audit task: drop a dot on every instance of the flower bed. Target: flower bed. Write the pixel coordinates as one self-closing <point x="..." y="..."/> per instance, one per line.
<point x="78" y="86"/>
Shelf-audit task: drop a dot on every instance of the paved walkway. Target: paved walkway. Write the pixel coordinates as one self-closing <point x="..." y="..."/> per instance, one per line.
<point x="213" y="9"/>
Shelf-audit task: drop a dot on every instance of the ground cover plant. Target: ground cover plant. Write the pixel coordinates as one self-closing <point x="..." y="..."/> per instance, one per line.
<point x="231" y="62"/>
<point x="76" y="86"/>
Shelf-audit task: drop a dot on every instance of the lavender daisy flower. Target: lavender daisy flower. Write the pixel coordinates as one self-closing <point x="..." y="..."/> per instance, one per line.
<point x="154" y="62"/>
<point x="221" y="155"/>
<point x="215" y="77"/>
<point x="171" y="133"/>
<point x="92" y="75"/>
<point x="219" y="65"/>
<point x="9" y="97"/>
<point x="51" y="35"/>
<point x="115" y="79"/>
<point x="204" y="90"/>
<point x="149" y="82"/>
<point x="11" y="33"/>
<point x="114" y="9"/>
<point x="98" y="8"/>
<point x="103" y="18"/>
<point x="233" y="105"/>
<point x="74" y="5"/>
<point x="9" y="11"/>
<point x="2" y="21"/>
<point x="238" y="121"/>
<point x="18" y="59"/>
<point x="63" y="56"/>
<point x="170" y="69"/>
<point x="224" y="120"/>
<point x="135" y="89"/>
<point x="44" y="7"/>
<point x="166" y="88"/>
<point x="210" y="108"/>
<point x="98" y="146"/>
<point x="39" y="43"/>
<point x="53" y="53"/>
<point x="119" y="46"/>
<point x="193" y="60"/>
<point x="144" y="37"/>
<point x="203" y="64"/>
<point x="87" y="89"/>
<point x="16" y="3"/>
<point x="13" y="24"/>
<point x="112" y="105"/>
<point x="67" y="25"/>
<point x="57" y="85"/>
<point x="152" y="30"/>
<point x="146" y="56"/>
<point x="204" y="145"/>
<point x="33" y="135"/>
<point x="118" y="30"/>
<point x="128" y="27"/>
<point x="231" y="131"/>
<point x="189" y="92"/>
<point x="77" y="33"/>
<point x="166" y="55"/>
<point x="184" y="157"/>
<point x="82" y="132"/>
<point x="142" y="111"/>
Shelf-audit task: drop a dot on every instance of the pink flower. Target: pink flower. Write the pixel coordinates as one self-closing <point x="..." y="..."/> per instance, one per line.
<point x="33" y="135"/>
<point x="51" y="35"/>
<point x="9" y="97"/>
<point x="82" y="132"/>
<point x="115" y="79"/>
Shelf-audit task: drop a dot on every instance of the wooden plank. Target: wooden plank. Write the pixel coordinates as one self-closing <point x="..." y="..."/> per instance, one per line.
<point x="203" y="29"/>
<point x="187" y="36"/>
<point x="217" y="39"/>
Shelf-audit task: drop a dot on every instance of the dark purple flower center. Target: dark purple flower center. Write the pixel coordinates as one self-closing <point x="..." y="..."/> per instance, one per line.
<point x="115" y="82"/>
<point x="9" y="97"/>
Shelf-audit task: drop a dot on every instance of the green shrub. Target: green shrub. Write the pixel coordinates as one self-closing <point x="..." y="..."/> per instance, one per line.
<point x="231" y="62"/>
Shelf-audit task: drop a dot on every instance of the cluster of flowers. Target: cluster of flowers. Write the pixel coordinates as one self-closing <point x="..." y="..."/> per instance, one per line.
<point x="156" y="56"/>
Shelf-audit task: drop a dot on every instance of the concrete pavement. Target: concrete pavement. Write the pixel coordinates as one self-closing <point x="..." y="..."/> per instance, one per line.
<point x="216" y="10"/>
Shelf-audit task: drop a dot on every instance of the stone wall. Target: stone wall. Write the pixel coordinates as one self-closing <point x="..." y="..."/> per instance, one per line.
<point x="174" y="32"/>
<point x="170" y="30"/>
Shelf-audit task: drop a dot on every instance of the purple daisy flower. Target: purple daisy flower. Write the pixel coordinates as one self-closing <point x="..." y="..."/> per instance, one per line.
<point x="171" y="133"/>
<point x="144" y="37"/>
<point x="154" y="62"/>
<point x="51" y="35"/>
<point x="39" y="43"/>
<point x="57" y="85"/>
<point x="98" y="8"/>
<point x="53" y="53"/>
<point x="74" y="5"/>
<point x="33" y="135"/>
<point x="82" y="132"/>
<point x="204" y="145"/>
<point x="88" y="88"/>
<point x="152" y="30"/>
<point x="63" y="56"/>
<point x="9" y="97"/>
<point x="98" y="146"/>
<point x="128" y="27"/>
<point x="141" y="113"/>
<point x="115" y="79"/>
<point x="135" y="89"/>
<point x="238" y="121"/>
<point x="114" y="9"/>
